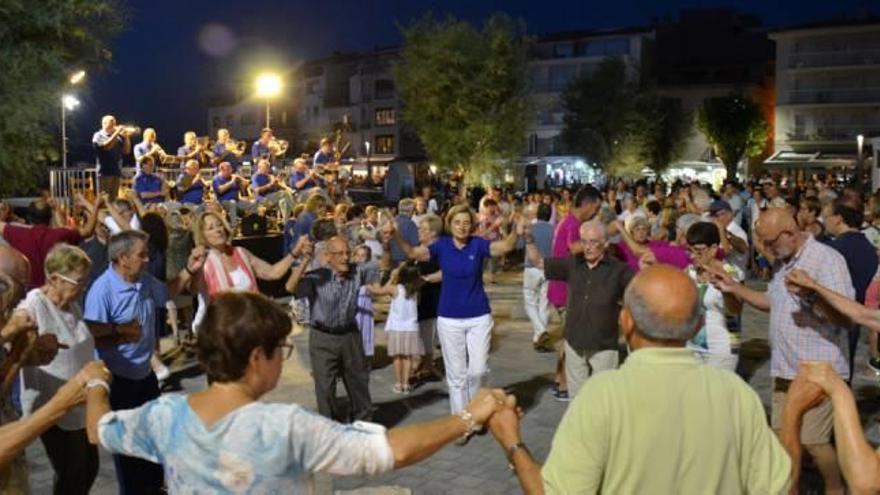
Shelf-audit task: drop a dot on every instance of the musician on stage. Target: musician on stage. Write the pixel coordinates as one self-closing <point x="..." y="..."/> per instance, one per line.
<point x="110" y="143"/>
<point x="193" y="150"/>
<point x="324" y="156"/>
<point x="227" y="186"/>
<point x="260" y="148"/>
<point x="149" y="186"/>
<point x="270" y="190"/>
<point x="222" y="153"/>
<point x="190" y="186"/>
<point x="148" y="148"/>
<point x="303" y="178"/>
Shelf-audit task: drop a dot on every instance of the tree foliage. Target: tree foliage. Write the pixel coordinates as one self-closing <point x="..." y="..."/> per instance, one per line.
<point x="735" y="126"/>
<point x="620" y="125"/>
<point x="40" y="44"/>
<point x="464" y="90"/>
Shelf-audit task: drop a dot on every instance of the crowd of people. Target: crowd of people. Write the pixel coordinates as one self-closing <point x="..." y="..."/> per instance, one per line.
<point x="646" y="280"/>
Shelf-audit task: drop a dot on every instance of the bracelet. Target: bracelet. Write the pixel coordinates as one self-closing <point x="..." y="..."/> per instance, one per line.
<point x="97" y="382"/>
<point x="469" y="422"/>
<point x="512" y="450"/>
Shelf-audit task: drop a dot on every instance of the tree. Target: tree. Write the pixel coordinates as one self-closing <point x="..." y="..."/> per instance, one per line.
<point x="464" y="90"/>
<point x="620" y="125"/>
<point x="39" y="46"/>
<point x="735" y="127"/>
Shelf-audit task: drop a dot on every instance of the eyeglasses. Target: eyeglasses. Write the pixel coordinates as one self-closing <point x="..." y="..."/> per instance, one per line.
<point x="773" y="241"/>
<point x="74" y="282"/>
<point x="286" y="348"/>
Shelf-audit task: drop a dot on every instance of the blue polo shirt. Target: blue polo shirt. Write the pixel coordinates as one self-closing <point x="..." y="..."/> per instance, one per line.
<point x="321" y="158"/>
<point x="148" y="183"/>
<point x="260" y="150"/>
<point x="462" y="294"/>
<point x="260" y="180"/>
<point x="231" y="194"/>
<point x="111" y="299"/>
<point x="220" y="151"/>
<point x="298" y="176"/>
<point x="109" y="161"/>
<point x="194" y="194"/>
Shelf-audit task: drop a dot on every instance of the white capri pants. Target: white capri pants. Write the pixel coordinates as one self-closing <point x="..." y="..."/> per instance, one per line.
<point x="465" y="345"/>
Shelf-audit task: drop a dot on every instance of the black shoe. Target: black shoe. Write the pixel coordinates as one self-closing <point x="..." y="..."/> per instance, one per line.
<point x="874" y="364"/>
<point x="561" y="396"/>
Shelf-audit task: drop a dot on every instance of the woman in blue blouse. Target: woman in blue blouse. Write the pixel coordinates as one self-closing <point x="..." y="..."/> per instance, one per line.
<point x="464" y="319"/>
<point x="224" y="439"/>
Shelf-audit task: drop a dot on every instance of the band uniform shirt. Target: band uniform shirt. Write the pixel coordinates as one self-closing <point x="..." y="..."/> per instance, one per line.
<point x="231" y="194"/>
<point x="333" y="298"/>
<point x="139" y="151"/>
<point x="260" y="180"/>
<point x="193" y="195"/>
<point x="260" y="150"/>
<point x="148" y="183"/>
<point x="321" y="158"/>
<point x="595" y="296"/>
<point x="298" y="176"/>
<point x="225" y="155"/>
<point x="109" y="161"/>
<point x="200" y="157"/>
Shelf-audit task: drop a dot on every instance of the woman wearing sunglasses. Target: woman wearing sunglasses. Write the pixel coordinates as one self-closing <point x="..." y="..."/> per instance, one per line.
<point x="715" y="344"/>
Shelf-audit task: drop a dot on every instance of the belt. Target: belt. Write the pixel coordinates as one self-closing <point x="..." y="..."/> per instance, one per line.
<point x="781" y="384"/>
<point x="335" y="330"/>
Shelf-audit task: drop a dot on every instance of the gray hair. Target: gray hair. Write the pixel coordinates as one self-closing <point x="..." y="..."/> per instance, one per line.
<point x="593" y="225"/>
<point x="653" y="325"/>
<point x="124" y="242"/>
<point x="406" y="206"/>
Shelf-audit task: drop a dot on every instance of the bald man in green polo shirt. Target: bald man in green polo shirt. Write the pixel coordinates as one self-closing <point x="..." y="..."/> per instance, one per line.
<point x="661" y="423"/>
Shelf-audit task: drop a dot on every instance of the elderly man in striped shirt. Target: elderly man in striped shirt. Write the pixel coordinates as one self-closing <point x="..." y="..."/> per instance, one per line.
<point x="800" y="329"/>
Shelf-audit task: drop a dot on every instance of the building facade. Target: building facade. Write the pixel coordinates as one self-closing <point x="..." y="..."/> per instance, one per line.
<point x="828" y="86"/>
<point x="560" y="58"/>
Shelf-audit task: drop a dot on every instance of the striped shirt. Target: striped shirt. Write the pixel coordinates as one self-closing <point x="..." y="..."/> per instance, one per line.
<point x="796" y="332"/>
<point x="332" y="298"/>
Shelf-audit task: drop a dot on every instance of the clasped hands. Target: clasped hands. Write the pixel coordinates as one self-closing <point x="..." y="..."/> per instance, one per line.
<point x="498" y="411"/>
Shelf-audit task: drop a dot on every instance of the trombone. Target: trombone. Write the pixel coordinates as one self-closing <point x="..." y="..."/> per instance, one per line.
<point x="278" y="147"/>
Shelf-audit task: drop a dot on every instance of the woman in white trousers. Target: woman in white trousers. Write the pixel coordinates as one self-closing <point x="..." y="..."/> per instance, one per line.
<point x="464" y="319"/>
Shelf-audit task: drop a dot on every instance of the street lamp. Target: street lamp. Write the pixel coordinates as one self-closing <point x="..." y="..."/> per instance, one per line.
<point x="860" y="144"/>
<point x="77" y="77"/>
<point x="268" y="86"/>
<point x="68" y="103"/>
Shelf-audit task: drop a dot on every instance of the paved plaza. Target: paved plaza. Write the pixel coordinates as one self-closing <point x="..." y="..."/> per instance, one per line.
<point x="480" y="466"/>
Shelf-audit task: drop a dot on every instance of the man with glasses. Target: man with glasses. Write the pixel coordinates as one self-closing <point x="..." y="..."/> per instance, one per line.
<point x="336" y="349"/>
<point x="800" y="329"/>
<point x="596" y="283"/>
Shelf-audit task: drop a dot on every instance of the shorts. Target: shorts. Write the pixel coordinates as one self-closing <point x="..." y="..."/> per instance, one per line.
<point x="818" y="422"/>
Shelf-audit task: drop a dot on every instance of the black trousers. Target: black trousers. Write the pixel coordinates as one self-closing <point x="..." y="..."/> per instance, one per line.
<point x="337" y="357"/>
<point x="73" y="458"/>
<point x="135" y="476"/>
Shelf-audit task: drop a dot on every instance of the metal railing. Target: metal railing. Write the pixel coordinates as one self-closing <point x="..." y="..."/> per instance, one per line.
<point x="834" y="95"/>
<point x="834" y="58"/>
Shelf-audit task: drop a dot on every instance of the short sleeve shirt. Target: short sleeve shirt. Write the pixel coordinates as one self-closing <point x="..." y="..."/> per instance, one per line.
<point x="257" y="448"/>
<point x="111" y="299"/>
<point x="230" y="194"/>
<point x="194" y="194"/>
<point x="567" y="232"/>
<point x="109" y="161"/>
<point x="148" y="183"/>
<point x="462" y="294"/>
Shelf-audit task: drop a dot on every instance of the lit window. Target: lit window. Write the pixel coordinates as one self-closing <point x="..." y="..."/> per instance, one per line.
<point x="385" y="117"/>
<point x="385" y="145"/>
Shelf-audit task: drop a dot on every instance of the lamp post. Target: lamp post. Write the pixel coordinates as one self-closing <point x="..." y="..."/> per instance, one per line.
<point x="268" y="87"/>
<point x="68" y="103"/>
<point x="860" y="144"/>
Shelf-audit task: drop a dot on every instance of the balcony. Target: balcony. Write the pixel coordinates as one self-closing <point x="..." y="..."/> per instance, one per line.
<point x="829" y="133"/>
<point x="837" y="58"/>
<point x="832" y="96"/>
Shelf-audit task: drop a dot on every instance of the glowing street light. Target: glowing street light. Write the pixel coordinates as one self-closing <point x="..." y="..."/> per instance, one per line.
<point x="268" y="87"/>
<point x="68" y="103"/>
<point x="77" y="77"/>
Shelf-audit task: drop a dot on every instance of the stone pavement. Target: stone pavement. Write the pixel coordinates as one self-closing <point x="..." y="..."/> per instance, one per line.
<point x="480" y="466"/>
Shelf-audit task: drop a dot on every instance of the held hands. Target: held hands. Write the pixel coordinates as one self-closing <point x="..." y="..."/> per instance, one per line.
<point x="822" y="375"/>
<point x="304" y="248"/>
<point x="504" y="424"/>
<point x="487" y="402"/>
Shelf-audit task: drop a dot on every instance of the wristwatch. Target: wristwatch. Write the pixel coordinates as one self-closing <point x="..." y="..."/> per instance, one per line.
<point x="512" y="450"/>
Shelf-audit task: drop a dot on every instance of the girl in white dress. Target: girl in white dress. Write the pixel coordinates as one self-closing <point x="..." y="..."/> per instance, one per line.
<point x="402" y="325"/>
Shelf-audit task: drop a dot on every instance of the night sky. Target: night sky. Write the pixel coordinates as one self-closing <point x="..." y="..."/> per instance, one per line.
<point x="175" y="54"/>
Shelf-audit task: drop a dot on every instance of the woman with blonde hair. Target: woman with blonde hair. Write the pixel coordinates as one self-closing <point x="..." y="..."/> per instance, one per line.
<point x="55" y="309"/>
<point x="228" y="267"/>
<point x="464" y="319"/>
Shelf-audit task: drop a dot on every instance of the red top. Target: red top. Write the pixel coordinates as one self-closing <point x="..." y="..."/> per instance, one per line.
<point x="34" y="242"/>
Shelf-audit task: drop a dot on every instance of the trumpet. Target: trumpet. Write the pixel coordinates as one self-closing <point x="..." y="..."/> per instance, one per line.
<point x="131" y="130"/>
<point x="236" y="145"/>
<point x="278" y="147"/>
